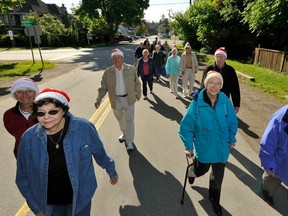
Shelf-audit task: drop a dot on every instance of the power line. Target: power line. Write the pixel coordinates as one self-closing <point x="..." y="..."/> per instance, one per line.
<point x="172" y="3"/>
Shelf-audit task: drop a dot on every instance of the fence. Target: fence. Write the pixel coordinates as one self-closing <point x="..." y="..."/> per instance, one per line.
<point x="272" y="59"/>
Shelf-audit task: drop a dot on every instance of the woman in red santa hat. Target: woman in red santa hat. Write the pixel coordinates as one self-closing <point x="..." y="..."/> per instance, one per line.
<point x="55" y="171"/>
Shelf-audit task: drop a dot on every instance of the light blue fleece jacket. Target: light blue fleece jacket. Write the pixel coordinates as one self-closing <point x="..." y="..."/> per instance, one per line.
<point x="173" y="65"/>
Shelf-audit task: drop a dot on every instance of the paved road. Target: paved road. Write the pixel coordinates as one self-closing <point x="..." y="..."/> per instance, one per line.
<point x="151" y="177"/>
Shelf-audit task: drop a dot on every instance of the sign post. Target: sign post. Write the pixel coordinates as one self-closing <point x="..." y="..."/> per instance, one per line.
<point x="36" y="31"/>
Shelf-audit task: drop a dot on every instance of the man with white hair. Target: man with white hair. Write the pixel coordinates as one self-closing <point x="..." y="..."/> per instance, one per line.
<point x="124" y="88"/>
<point x="231" y="84"/>
<point x="188" y="67"/>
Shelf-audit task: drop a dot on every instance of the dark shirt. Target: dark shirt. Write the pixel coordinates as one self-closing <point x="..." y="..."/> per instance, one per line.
<point x="138" y="52"/>
<point x="60" y="191"/>
<point x="230" y="82"/>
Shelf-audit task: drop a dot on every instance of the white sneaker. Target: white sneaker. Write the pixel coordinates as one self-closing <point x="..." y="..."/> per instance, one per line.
<point x="129" y="146"/>
<point x="121" y="138"/>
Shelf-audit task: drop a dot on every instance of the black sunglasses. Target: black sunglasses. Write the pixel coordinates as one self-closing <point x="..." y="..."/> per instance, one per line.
<point x="51" y="112"/>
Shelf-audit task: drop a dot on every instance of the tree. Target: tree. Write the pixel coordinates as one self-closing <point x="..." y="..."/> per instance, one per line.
<point x="8" y="4"/>
<point x="268" y="19"/>
<point x="54" y="32"/>
<point x="114" y="12"/>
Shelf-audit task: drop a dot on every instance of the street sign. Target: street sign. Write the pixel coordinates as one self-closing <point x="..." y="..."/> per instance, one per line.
<point x="89" y="36"/>
<point x="37" y="39"/>
<point x="33" y="30"/>
<point x="26" y="22"/>
<point x="10" y="33"/>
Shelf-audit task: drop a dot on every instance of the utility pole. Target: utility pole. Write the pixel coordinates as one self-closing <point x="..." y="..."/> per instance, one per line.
<point x="169" y="11"/>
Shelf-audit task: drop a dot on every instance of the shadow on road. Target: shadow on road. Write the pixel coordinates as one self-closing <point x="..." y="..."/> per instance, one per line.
<point x="205" y="201"/>
<point x="158" y="193"/>
<point x="252" y="179"/>
<point x="245" y="128"/>
<point x="164" y="109"/>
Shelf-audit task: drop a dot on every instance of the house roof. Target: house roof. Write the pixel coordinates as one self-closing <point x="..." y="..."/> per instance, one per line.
<point x="38" y="7"/>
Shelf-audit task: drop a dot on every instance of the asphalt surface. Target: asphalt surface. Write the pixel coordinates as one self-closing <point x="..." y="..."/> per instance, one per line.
<point x="152" y="176"/>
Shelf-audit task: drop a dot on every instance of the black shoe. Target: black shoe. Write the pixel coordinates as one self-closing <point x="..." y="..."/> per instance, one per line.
<point x="267" y="198"/>
<point x="217" y="208"/>
<point x="191" y="180"/>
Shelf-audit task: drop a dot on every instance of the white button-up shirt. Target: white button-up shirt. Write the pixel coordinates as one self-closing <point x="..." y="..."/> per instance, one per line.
<point x="120" y="84"/>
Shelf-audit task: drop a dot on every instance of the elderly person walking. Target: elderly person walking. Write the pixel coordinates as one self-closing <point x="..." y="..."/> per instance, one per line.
<point x="124" y="88"/>
<point x="188" y="67"/>
<point x="231" y="83"/>
<point x="173" y="71"/>
<point x="274" y="155"/>
<point x="208" y="130"/>
<point x="158" y="57"/>
<point x="55" y="171"/>
<point x="18" y="118"/>
<point x="146" y="70"/>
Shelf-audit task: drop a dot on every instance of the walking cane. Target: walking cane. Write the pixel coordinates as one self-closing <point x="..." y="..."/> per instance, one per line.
<point x="185" y="181"/>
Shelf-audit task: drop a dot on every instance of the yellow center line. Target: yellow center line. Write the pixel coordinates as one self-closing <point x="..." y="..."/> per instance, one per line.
<point x="99" y="110"/>
<point x="24" y="210"/>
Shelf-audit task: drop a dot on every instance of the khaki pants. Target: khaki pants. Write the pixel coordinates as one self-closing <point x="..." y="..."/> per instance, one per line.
<point x="188" y="76"/>
<point x="174" y="84"/>
<point x="124" y="113"/>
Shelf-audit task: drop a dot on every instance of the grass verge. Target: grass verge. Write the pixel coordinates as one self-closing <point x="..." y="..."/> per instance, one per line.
<point x="22" y="68"/>
<point x="271" y="82"/>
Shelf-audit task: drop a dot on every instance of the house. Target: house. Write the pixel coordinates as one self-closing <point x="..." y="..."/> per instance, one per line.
<point x="17" y="14"/>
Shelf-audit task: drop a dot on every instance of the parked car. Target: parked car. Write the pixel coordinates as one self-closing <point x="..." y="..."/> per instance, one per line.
<point x="135" y="37"/>
<point x="123" y="38"/>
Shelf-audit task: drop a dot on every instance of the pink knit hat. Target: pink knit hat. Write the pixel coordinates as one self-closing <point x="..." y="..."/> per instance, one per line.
<point x="212" y="74"/>
<point x="221" y="51"/>
<point x="55" y="94"/>
<point x="23" y="83"/>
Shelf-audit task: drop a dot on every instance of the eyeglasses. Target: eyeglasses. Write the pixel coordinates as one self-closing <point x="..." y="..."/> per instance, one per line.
<point x="187" y="48"/>
<point x="51" y="112"/>
<point x="217" y="84"/>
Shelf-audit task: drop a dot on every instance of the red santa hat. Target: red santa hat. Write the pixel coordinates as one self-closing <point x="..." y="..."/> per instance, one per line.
<point x="23" y="83"/>
<point x="55" y="94"/>
<point x="221" y="51"/>
<point x="117" y="52"/>
<point x="212" y="74"/>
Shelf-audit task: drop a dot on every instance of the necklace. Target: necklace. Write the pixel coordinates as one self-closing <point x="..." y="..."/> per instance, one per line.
<point x="56" y="143"/>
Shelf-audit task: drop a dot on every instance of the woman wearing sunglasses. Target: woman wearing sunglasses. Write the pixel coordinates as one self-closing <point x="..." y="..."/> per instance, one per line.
<point x="55" y="171"/>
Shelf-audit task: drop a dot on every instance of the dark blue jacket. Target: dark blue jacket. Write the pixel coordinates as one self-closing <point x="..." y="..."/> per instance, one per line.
<point x="140" y="71"/>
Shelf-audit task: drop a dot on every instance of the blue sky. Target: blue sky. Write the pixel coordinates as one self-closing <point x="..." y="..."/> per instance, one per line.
<point x="153" y="13"/>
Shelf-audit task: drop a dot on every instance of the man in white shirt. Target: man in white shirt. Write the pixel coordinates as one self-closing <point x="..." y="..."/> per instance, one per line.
<point x="124" y="88"/>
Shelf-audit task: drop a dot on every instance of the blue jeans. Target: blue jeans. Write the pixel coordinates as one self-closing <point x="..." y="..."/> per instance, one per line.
<point x="66" y="210"/>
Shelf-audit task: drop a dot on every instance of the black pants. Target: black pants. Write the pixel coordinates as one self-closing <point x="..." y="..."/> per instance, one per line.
<point x="216" y="177"/>
<point x="145" y="80"/>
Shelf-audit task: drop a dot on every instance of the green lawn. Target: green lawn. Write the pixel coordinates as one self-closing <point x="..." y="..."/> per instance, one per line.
<point x="268" y="81"/>
<point x="23" y="68"/>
